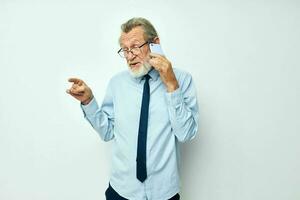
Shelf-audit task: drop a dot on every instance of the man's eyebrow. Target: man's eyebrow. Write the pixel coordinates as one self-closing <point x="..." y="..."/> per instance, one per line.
<point x="134" y="43"/>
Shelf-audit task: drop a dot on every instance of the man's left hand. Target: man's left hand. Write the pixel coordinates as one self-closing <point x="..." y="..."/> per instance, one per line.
<point x="164" y="67"/>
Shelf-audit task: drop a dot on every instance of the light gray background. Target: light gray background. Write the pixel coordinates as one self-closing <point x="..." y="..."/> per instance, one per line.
<point x="243" y="55"/>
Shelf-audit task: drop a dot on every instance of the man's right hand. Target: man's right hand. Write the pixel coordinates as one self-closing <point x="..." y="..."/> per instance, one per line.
<point x="80" y="91"/>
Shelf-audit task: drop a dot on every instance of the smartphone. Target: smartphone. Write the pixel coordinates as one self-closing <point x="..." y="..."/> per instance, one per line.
<point x="156" y="48"/>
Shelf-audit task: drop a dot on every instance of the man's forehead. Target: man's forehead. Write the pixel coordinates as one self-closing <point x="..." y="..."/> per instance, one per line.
<point x="133" y="36"/>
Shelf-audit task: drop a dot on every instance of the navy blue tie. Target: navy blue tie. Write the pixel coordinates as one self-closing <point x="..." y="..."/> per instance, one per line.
<point x="141" y="169"/>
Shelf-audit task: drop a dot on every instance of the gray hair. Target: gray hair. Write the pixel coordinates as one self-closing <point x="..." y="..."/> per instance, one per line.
<point x="149" y="30"/>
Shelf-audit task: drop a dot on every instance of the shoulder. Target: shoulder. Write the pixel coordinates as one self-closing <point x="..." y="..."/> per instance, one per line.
<point x="184" y="79"/>
<point x="119" y="77"/>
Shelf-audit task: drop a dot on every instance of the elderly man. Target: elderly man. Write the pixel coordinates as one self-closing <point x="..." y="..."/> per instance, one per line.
<point x="146" y="112"/>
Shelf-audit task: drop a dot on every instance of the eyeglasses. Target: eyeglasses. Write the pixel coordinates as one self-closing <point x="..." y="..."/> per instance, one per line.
<point x="135" y="50"/>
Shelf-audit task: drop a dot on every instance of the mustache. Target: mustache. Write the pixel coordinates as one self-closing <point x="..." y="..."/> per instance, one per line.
<point x="132" y="63"/>
<point x="143" y="61"/>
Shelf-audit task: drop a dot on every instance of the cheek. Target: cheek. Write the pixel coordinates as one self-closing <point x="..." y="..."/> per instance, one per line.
<point x="145" y="53"/>
<point x="141" y="58"/>
<point x="146" y="57"/>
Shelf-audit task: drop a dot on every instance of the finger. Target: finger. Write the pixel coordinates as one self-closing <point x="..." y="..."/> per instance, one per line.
<point x="75" y="95"/>
<point x="76" y="80"/>
<point x="76" y="92"/>
<point x="156" y="55"/>
<point x="78" y="88"/>
<point x="157" y="60"/>
<point x="74" y="86"/>
<point x="72" y="93"/>
<point x="154" y="64"/>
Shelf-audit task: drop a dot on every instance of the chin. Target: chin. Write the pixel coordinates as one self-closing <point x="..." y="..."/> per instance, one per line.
<point x="140" y="71"/>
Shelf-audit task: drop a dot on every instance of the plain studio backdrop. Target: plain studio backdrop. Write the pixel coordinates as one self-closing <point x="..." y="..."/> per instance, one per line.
<point x="244" y="58"/>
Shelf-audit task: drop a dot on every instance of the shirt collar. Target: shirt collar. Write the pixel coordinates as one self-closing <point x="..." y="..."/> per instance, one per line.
<point x="153" y="73"/>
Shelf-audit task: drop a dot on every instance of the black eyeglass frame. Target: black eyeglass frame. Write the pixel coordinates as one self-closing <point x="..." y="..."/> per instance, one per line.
<point x="130" y="50"/>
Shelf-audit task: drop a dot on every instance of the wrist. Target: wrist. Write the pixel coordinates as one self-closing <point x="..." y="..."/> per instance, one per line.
<point x="172" y="87"/>
<point x="87" y="101"/>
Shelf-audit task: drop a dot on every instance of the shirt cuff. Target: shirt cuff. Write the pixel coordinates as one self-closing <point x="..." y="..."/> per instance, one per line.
<point x="174" y="98"/>
<point x="91" y="108"/>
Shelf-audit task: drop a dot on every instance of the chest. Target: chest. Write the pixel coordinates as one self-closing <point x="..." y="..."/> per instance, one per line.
<point x="128" y="101"/>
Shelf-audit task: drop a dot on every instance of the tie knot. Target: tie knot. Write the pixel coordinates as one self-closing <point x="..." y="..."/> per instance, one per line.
<point x="147" y="77"/>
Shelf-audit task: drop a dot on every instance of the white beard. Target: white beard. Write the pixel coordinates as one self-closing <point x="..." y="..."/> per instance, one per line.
<point x="141" y="71"/>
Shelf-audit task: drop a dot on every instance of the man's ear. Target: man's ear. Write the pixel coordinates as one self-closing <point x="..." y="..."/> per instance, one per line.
<point x="156" y="40"/>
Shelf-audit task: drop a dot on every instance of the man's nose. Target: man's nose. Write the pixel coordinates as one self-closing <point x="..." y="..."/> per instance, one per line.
<point x="130" y="56"/>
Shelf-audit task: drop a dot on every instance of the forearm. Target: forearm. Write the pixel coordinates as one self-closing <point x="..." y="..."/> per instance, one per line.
<point x="100" y="120"/>
<point x="183" y="116"/>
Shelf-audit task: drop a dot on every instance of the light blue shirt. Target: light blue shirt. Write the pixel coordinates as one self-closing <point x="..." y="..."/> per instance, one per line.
<point x="173" y="118"/>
